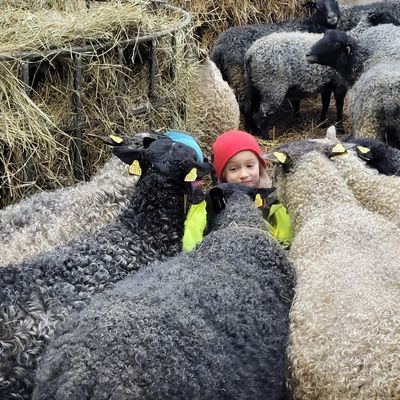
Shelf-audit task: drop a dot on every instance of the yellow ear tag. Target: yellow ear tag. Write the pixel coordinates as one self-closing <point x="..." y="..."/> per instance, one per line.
<point x="134" y="168"/>
<point x="363" y="149"/>
<point x="191" y="176"/>
<point x="258" y="201"/>
<point x="281" y="157"/>
<point x="116" y="139"/>
<point x="338" y="149"/>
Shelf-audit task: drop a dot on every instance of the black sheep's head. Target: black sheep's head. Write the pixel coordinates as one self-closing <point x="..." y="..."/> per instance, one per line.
<point x="326" y="12"/>
<point x="172" y="160"/>
<point x="218" y="200"/>
<point x="334" y="49"/>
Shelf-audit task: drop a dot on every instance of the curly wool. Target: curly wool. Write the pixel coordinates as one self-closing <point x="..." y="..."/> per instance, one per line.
<point x="374" y="103"/>
<point x="209" y="325"/>
<point x="39" y="294"/>
<point x="276" y="63"/>
<point x="214" y="102"/>
<point x="350" y="15"/>
<point x="345" y="341"/>
<point x="378" y="193"/>
<point x="49" y="219"/>
<point x="231" y="45"/>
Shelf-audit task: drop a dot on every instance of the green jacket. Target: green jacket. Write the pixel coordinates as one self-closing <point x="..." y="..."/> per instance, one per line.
<point x="278" y="223"/>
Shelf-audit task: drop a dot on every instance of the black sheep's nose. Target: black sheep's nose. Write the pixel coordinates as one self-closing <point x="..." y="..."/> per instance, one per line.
<point x="311" y="58"/>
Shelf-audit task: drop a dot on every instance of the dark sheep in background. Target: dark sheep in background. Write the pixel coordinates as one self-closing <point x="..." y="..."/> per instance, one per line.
<point x="231" y="45"/>
<point x="370" y="62"/>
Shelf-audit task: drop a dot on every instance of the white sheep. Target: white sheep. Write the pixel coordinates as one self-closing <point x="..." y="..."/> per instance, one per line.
<point x="345" y="318"/>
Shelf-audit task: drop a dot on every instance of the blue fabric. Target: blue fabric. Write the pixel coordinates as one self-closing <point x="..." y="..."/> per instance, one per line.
<point x="184" y="138"/>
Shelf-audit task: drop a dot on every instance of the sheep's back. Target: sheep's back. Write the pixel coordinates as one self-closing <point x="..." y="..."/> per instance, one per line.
<point x="209" y="325"/>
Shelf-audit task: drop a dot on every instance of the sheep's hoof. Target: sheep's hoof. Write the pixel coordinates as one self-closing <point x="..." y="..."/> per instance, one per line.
<point x="339" y="128"/>
<point x="265" y="134"/>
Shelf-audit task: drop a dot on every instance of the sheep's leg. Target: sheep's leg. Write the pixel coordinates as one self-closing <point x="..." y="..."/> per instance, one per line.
<point x="296" y="107"/>
<point x="250" y="107"/>
<point x="325" y="100"/>
<point x="339" y="100"/>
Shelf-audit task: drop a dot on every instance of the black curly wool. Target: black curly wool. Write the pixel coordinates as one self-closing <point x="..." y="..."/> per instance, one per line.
<point x="212" y="324"/>
<point x="382" y="156"/>
<point x="35" y="296"/>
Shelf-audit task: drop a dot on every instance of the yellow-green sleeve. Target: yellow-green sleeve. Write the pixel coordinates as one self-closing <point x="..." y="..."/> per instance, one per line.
<point x="195" y="225"/>
<point x="279" y="225"/>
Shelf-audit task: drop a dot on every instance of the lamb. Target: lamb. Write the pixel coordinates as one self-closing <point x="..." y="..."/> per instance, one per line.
<point x="371" y="63"/>
<point x="231" y="45"/>
<point x="351" y="15"/>
<point x="212" y="104"/>
<point x="276" y="69"/>
<point x="209" y="325"/>
<point x="345" y="337"/>
<point x="39" y="294"/>
<point x="49" y="219"/>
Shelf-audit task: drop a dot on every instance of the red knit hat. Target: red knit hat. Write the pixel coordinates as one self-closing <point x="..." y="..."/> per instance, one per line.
<point x="230" y="143"/>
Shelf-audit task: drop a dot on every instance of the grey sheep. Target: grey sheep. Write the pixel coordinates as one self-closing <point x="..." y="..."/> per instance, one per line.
<point x="211" y="103"/>
<point x="39" y="294"/>
<point x="48" y="219"/>
<point x="209" y="325"/>
<point x="277" y="69"/>
<point x="231" y="45"/>
<point x="370" y="62"/>
<point x="350" y="15"/>
<point x="345" y="337"/>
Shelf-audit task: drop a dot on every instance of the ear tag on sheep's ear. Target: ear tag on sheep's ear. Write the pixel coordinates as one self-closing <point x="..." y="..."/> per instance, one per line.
<point x="134" y="168"/>
<point x="191" y="176"/>
<point x="116" y="139"/>
<point x="363" y="150"/>
<point x="339" y="149"/>
<point x="281" y="157"/>
<point x="258" y="201"/>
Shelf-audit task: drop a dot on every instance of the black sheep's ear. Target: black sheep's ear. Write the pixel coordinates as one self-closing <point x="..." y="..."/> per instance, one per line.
<point x="364" y="153"/>
<point x="148" y="140"/>
<point x="263" y="196"/>
<point x="217" y="199"/>
<point x="129" y="154"/>
<point x="197" y="170"/>
<point x="215" y="202"/>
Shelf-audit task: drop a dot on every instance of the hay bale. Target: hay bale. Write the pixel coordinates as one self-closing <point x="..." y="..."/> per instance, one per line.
<point x="34" y="151"/>
<point x="211" y="17"/>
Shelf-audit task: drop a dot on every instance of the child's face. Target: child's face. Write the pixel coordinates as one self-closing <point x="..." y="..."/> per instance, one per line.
<point x="243" y="168"/>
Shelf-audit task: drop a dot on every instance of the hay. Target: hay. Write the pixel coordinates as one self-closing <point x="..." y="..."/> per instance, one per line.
<point x="212" y="17"/>
<point x="34" y="152"/>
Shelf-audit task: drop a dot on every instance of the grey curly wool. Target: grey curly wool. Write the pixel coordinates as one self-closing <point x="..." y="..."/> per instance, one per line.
<point x="345" y="337"/>
<point x="275" y="64"/>
<point x="374" y="103"/>
<point x="39" y="294"/>
<point x="49" y="219"/>
<point x="215" y="108"/>
<point x="351" y="15"/>
<point x="212" y="324"/>
<point x="231" y="45"/>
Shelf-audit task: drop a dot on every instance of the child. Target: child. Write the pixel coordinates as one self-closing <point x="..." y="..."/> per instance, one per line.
<point x="237" y="159"/>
